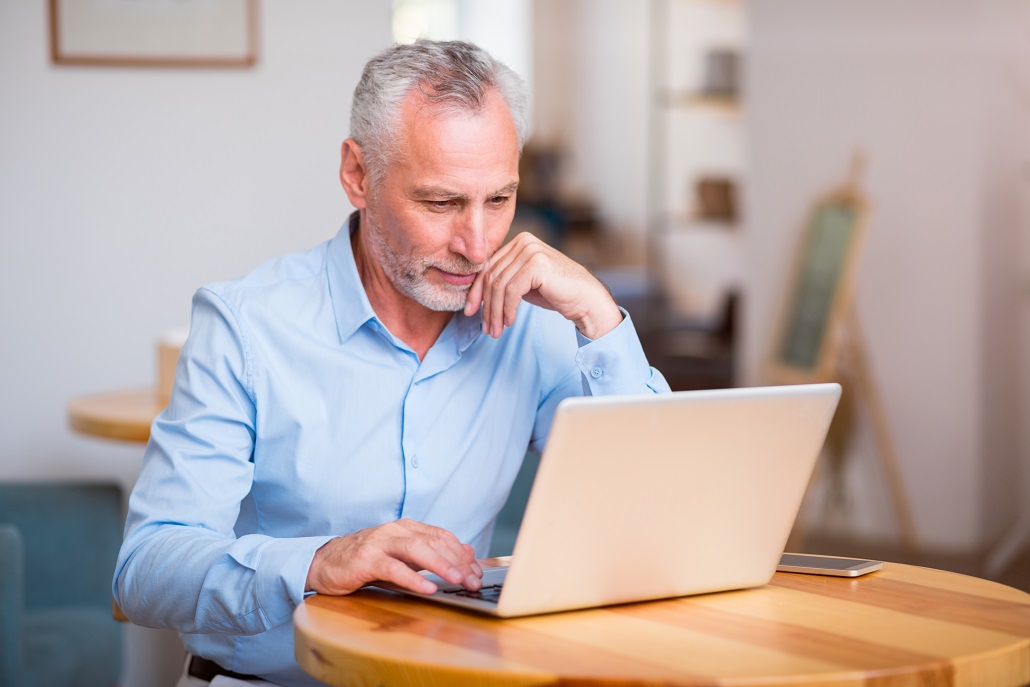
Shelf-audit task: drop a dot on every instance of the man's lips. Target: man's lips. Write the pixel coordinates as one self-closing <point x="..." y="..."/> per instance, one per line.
<point x="457" y="279"/>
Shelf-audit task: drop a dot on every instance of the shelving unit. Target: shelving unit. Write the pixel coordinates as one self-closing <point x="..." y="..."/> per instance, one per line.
<point x="695" y="137"/>
<point x="696" y="133"/>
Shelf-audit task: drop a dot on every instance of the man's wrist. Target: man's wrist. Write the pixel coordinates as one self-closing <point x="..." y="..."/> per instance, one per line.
<point x="594" y="327"/>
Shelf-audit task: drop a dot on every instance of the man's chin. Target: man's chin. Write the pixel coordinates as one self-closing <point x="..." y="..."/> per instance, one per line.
<point x="450" y="299"/>
<point x="445" y="305"/>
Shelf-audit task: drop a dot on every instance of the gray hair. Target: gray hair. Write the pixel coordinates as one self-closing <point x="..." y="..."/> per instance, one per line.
<point x="453" y="75"/>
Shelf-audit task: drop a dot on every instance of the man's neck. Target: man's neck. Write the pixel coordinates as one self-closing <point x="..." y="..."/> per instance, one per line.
<point x="408" y="320"/>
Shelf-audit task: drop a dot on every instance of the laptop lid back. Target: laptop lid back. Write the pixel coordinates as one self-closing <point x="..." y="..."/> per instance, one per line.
<point x="646" y="497"/>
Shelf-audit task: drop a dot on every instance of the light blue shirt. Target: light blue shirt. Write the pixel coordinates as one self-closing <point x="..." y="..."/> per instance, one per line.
<point x="296" y="417"/>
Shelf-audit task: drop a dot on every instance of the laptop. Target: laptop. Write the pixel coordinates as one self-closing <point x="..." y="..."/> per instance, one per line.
<point x="651" y="497"/>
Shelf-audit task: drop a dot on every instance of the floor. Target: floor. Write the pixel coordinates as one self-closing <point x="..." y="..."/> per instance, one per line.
<point x="1017" y="574"/>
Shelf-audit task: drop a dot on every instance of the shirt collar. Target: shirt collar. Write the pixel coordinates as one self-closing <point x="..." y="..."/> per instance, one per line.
<point x="351" y="304"/>
<point x="468" y="329"/>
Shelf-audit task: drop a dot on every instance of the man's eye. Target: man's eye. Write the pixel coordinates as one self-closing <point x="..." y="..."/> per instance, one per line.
<point x="440" y="204"/>
<point x="499" y="200"/>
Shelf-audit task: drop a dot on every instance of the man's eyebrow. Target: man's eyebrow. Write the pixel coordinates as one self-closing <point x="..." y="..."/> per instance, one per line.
<point x="441" y="193"/>
<point x="507" y="190"/>
<point x="435" y="193"/>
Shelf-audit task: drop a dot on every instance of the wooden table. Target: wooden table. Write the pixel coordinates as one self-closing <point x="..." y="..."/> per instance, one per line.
<point x="123" y="415"/>
<point x="901" y="626"/>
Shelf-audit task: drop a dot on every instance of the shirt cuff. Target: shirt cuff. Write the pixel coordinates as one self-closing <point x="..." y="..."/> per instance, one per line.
<point x="283" y="574"/>
<point x="614" y="363"/>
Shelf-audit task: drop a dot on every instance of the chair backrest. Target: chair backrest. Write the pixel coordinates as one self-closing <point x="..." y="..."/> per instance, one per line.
<point x="11" y="590"/>
<point x="70" y="534"/>
<point x="510" y="518"/>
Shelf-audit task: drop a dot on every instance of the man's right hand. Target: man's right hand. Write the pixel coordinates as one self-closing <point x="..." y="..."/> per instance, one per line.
<point x="393" y="552"/>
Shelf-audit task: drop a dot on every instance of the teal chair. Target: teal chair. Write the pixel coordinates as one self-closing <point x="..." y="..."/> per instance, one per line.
<point x="510" y="518"/>
<point x="58" y="546"/>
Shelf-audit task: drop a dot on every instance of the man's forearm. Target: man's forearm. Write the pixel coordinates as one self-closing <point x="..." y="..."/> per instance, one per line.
<point x="195" y="581"/>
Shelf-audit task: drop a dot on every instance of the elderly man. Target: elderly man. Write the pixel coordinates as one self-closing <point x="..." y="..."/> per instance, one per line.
<point x="359" y="412"/>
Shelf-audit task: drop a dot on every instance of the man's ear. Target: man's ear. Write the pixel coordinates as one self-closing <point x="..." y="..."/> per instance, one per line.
<point x="353" y="174"/>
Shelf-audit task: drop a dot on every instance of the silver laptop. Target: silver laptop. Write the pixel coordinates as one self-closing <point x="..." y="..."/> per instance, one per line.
<point x="651" y="497"/>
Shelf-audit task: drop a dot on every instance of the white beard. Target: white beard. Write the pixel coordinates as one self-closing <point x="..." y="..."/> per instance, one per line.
<point x="409" y="275"/>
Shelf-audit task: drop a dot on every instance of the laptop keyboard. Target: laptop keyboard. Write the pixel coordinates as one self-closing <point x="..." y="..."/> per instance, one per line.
<point x="489" y="593"/>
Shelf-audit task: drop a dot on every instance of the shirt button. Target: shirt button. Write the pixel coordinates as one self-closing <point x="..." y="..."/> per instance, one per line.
<point x="596" y="373"/>
<point x="414" y="461"/>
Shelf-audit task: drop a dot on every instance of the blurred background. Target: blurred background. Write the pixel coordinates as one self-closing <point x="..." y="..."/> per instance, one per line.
<point x="678" y="149"/>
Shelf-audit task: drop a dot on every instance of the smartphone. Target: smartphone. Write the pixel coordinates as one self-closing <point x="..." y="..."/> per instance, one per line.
<point x="826" y="565"/>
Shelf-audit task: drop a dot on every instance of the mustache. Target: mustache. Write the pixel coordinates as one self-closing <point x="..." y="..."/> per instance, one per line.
<point x="460" y="265"/>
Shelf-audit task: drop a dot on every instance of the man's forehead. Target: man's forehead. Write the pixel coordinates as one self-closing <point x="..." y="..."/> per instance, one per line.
<point x="417" y="110"/>
<point x="457" y="152"/>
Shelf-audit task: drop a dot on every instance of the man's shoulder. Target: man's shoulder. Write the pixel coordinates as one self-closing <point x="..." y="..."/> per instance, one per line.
<point x="298" y="269"/>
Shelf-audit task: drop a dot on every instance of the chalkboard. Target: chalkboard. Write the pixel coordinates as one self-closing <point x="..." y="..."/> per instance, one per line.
<point x="820" y="292"/>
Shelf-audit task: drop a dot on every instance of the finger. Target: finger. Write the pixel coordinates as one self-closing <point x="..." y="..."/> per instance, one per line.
<point x="501" y="260"/>
<point x="476" y="567"/>
<point x="398" y="573"/>
<point x="476" y="291"/>
<point x="475" y="581"/>
<point x="486" y="311"/>
<point x="441" y="564"/>
<point x="475" y="295"/>
<point x="521" y="283"/>
<point x="500" y="290"/>
<point x="437" y="550"/>
<point x="514" y="281"/>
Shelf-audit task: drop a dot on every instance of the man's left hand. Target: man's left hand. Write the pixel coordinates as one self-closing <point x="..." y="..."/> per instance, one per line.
<point x="528" y="269"/>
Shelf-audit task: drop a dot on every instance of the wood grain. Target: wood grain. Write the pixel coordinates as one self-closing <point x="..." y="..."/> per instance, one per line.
<point x="902" y="626"/>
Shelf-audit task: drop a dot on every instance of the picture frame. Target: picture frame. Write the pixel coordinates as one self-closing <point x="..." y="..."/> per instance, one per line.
<point x="154" y="33"/>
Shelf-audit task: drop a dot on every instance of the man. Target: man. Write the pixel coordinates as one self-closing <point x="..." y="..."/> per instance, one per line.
<point x="359" y="412"/>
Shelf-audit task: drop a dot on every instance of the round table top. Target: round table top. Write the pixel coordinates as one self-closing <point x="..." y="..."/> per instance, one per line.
<point x="904" y="625"/>
<point x="123" y="415"/>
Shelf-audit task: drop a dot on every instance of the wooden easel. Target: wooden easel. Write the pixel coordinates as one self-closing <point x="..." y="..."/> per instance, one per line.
<point x="820" y="338"/>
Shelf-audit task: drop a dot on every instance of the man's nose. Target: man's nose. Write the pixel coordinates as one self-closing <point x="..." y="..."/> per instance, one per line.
<point x="470" y="236"/>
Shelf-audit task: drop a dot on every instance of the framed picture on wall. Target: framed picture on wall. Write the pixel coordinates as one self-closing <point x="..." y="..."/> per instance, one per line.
<point x="154" y="33"/>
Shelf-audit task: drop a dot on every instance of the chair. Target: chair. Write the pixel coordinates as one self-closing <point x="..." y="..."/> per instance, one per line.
<point x="58" y="546"/>
<point x="510" y="518"/>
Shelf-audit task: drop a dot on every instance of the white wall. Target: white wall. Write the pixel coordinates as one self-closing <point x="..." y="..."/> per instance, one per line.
<point x="932" y="93"/>
<point x="591" y="86"/>
<point x="123" y="190"/>
<point x="505" y="28"/>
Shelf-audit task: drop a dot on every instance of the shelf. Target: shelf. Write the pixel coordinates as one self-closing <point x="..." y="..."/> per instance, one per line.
<point x="676" y="222"/>
<point x="696" y="165"/>
<point x="722" y="104"/>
